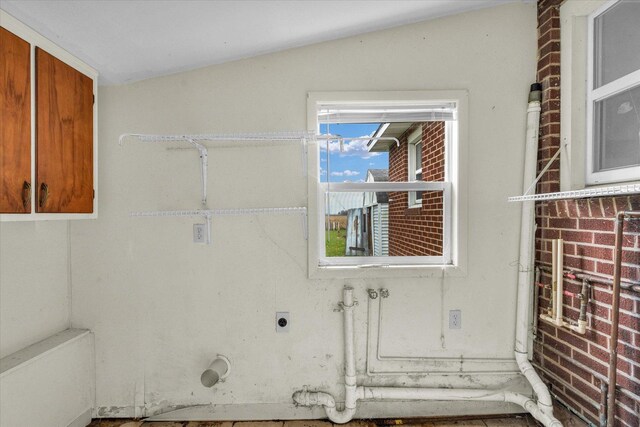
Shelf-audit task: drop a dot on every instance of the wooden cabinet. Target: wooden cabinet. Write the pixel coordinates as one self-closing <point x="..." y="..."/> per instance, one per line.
<point x="47" y="129"/>
<point x="15" y="129"/>
<point x="64" y="137"/>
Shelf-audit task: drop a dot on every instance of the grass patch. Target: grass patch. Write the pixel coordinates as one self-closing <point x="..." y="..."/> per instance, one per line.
<point x="335" y="242"/>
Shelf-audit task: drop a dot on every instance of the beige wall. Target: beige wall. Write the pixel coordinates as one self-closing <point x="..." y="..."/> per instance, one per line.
<point x="161" y="307"/>
<point x="34" y="282"/>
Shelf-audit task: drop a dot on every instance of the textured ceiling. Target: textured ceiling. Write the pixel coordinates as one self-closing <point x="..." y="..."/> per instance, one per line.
<point x="133" y="40"/>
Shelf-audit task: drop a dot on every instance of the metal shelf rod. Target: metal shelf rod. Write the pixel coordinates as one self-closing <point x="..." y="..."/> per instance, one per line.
<point x="618" y="190"/>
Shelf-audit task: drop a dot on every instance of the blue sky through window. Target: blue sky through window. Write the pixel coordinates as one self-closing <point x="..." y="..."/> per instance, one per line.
<point x="352" y="164"/>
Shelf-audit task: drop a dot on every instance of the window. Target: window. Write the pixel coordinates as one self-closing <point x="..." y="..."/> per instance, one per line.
<point x="415" y="165"/>
<point x="613" y="94"/>
<point x="365" y="181"/>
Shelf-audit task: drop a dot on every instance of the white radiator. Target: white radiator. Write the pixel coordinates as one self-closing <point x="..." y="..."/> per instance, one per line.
<point x="50" y="383"/>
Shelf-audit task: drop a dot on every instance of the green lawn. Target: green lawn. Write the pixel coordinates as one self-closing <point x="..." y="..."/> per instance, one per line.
<point x="336" y="242"/>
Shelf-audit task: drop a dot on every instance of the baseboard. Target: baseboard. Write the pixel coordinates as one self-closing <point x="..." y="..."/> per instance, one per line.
<point x="83" y="420"/>
<point x="366" y="410"/>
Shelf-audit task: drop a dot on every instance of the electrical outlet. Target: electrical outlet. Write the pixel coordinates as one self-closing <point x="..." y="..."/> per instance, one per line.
<point x="282" y="321"/>
<point x="199" y="233"/>
<point x="455" y="319"/>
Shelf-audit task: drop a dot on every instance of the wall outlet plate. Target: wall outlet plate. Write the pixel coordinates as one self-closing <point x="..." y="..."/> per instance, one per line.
<point x="282" y="321"/>
<point x="199" y="233"/>
<point x="455" y="319"/>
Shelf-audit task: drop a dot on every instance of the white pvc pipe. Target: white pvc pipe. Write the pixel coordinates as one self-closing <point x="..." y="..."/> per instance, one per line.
<point x="559" y="281"/>
<point x="542" y="410"/>
<point x="526" y="261"/>
<point x="402" y="393"/>
<point x="218" y="370"/>
<point x="307" y="398"/>
<point x="527" y="230"/>
<point x="350" y="354"/>
<point x="557" y="286"/>
<point x="353" y="393"/>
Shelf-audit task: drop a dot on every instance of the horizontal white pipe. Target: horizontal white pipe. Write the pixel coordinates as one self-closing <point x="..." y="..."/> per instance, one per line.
<point x="401" y="393"/>
<point x="417" y="393"/>
<point x="307" y="398"/>
<point x="580" y="328"/>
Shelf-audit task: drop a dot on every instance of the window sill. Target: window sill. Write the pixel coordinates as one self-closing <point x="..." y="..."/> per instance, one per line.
<point x="413" y="210"/>
<point x="385" y="271"/>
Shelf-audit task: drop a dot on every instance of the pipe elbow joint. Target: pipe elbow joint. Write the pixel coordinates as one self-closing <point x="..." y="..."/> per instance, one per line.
<point x="340" y="417"/>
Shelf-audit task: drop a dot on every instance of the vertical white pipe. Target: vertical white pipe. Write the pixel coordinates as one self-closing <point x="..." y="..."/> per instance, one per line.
<point x="526" y="259"/>
<point x="554" y="279"/>
<point x="349" y="351"/>
<point x="308" y="398"/>
<point x="559" y="281"/>
<point x="525" y="273"/>
<point x="541" y="412"/>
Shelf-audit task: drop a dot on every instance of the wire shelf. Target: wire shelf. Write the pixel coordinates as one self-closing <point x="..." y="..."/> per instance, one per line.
<point x="263" y="136"/>
<point x="618" y="190"/>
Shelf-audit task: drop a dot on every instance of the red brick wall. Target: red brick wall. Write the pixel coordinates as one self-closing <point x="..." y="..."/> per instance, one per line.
<point x="549" y="77"/>
<point x="417" y="231"/>
<point x="573" y="364"/>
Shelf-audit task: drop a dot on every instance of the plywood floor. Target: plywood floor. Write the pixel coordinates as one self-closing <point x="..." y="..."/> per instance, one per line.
<point x="567" y="419"/>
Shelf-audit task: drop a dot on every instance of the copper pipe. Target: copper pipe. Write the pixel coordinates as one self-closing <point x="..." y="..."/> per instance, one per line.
<point x="596" y="375"/>
<point x="604" y="389"/>
<point x="615" y="313"/>
<point x="626" y="284"/>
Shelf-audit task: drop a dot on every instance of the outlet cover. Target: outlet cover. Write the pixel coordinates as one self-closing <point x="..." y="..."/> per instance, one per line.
<point x="455" y="319"/>
<point x="282" y="321"/>
<point x="199" y="232"/>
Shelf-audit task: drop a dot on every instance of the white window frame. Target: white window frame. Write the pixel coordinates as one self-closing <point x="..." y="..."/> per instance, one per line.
<point x="413" y="140"/>
<point x="594" y="95"/>
<point x="454" y="264"/>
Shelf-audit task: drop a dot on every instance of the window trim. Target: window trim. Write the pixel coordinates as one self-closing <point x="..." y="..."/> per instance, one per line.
<point x="413" y="140"/>
<point x="608" y="90"/>
<point x="457" y="176"/>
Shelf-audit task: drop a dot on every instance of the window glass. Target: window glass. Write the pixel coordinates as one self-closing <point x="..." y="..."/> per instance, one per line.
<point x="418" y="156"/>
<point x="367" y="224"/>
<point x="377" y="223"/>
<point x="617" y="131"/>
<point x="415" y="161"/>
<point x="613" y="130"/>
<point x="616" y="42"/>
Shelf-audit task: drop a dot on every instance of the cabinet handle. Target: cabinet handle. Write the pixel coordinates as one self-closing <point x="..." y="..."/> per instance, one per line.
<point x="26" y="195"/>
<point x="44" y="194"/>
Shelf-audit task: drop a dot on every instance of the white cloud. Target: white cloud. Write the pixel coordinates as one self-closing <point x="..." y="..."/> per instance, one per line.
<point x="355" y="147"/>
<point x="345" y="173"/>
<point x="323" y="171"/>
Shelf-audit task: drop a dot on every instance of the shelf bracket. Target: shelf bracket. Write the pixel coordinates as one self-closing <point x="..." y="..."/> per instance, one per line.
<point x="305" y="230"/>
<point x="305" y="153"/>
<point x="207" y="216"/>
<point x="204" y="166"/>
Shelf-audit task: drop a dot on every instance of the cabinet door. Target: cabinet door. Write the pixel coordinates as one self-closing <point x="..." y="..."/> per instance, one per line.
<point x="64" y="137"/>
<point x="15" y="123"/>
